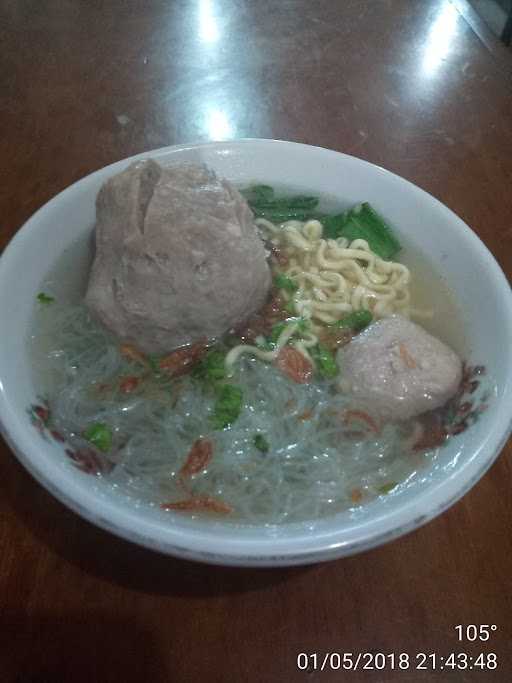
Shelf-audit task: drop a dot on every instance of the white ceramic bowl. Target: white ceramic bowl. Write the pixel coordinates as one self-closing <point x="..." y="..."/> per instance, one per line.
<point x="471" y="272"/>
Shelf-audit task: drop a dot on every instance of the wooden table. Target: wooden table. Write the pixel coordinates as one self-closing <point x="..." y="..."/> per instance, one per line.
<point x="417" y="86"/>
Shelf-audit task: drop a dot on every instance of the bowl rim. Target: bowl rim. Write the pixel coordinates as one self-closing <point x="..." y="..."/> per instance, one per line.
<point x="267" y="551"/>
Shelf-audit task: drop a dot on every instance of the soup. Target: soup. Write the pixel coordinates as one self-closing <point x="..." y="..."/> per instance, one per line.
<point x="254" y="426"/>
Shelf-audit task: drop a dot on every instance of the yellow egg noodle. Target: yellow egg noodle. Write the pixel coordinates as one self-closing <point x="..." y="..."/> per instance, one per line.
<point x="337" y="277"/>
<point x="333" y="278"/>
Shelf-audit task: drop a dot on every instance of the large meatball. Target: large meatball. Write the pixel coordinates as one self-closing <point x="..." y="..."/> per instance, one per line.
<point x="399" y="369"/>
<point x="178" y="257"/>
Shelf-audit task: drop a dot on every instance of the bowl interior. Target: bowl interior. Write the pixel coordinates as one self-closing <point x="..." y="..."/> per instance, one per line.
<point x="426" y="226"/>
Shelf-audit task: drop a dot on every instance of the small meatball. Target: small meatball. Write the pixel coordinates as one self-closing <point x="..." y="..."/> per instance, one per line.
<point x="399" y="369"/>
<point x="178" y="257"/>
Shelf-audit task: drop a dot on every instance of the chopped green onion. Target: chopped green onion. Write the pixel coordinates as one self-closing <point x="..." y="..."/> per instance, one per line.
<point x="261" y="443"/>
<point x="357" y="320"/>
<point x="286" y="283"/>
<point x="363" y="222"/>
<point x="228" y="405"/>
<point x="154" y="363"/>
<point x="44" y="298"/>
<point x="290" y="307"/>
<point x="325" y="362"/>
<point x="303" y="324"/>
<point x="279" y="328"/>
<point x="99" y="435"/>
<point x="387" y="488"/>
<point x="276" y="331"/>
<point x="210" y="368"/>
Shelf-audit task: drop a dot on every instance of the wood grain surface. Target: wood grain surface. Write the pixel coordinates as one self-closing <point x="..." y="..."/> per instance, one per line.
<point x="406" y="84"/>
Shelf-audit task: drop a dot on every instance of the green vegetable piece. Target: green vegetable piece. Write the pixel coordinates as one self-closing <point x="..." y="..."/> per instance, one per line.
<point x="276" y="215"/>
<point x="258" y="193"/>
<point x="363" y="222"/>
<point x="387" y="488"/>
<point x="325" y="362"/>
<point x="333" y="225"/>
<point x="357" y="320"/>
<point x="211" y="368"/>
<point x="228" y="405"/>
<point x="296" y="203"/>
<point x="264" y="204"/>
<point x="261" y="443"/>
<point x="99" y="435"/>
<point x="286" y="283"/>
<point x="44" y="298"/>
